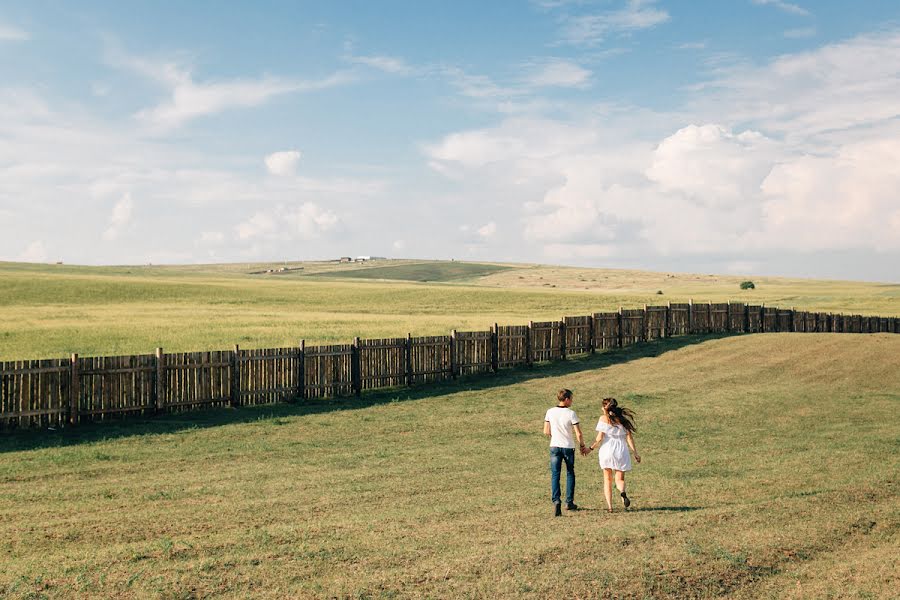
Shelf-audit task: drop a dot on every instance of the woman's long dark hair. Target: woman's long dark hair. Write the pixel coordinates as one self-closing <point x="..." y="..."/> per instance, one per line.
<point x="618" y="415"/>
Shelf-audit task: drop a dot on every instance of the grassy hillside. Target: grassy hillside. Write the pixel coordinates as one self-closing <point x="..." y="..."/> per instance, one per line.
<point x="424" y="272"/>
<point x="770" y="470"/>
<point x="53" y="310"/>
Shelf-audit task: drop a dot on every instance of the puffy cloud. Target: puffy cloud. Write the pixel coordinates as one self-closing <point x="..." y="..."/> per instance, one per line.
<point x="304" y="222"/>
<point x="283" y="163"/>
<point x="847" y="200"/>
<point x="120" y="218"/>
<point x="712" y="165"/>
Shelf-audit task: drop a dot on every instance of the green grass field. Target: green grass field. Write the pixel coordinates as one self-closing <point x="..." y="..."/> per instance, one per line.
<point x="54" y="310"/>
<point x="770" y="471"/>
<point x="424" y="272"/>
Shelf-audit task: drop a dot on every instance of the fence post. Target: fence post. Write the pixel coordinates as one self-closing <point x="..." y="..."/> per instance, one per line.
<point x="409" y="379"/>
<point x="160" y="380"/>
<point x="529" y="354"/>
<point x="453" y="354"/>
<point x="791" y="320"/>
<point x="74" y="391"/>
<point x="621" y="328"/>
<point x="591" y="341"/>
<point x="495" y="348"/>
<point x="690" y="316"/>
<point x="746" y="319"/>
<point x="562" y="339"/>
<point x="236" y="376"/>
<point x="301" y="366"/>
<point x="668" y="318"/>
<point x="355" y="368"/>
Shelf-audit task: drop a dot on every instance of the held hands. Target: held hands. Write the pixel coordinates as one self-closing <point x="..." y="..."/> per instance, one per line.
<point x="585" y="450"/>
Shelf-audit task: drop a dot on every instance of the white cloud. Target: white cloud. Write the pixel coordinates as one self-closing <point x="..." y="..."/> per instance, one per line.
<point x="692" y="45"/>
<point x="558" y="73"/>
<point x="388" y="64"/>
<point x="304" y="222"/>
<point x="487" y="230"/>
<point x="34" y="252"/>
<point x="711" y="165"/>
<point x="787" y="7"/>
<point x="190" y="99"/>
<point x="399" y="245"/>
<point x="839" y="86"/>
<point x="593" y="29"/>
<point x="847" y="200"/>
<point x="8" y="33"/>
<point x="120" y="218"/>
<point x="283" y="163"/>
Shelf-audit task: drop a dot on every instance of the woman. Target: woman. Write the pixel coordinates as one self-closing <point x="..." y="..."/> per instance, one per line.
<point x="614" y="437"/>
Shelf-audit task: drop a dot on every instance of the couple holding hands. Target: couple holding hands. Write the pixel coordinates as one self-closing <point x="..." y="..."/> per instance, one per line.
<point x="614" y="439"/>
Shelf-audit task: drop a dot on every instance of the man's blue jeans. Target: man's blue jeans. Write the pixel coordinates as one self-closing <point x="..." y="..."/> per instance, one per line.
<point x="557" y="457"/>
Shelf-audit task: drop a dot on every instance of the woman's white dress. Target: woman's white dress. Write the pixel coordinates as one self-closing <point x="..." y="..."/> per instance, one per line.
<point x="613" y="452"/>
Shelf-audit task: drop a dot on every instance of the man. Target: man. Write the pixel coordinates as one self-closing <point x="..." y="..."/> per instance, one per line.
<point x="559" y="424"/>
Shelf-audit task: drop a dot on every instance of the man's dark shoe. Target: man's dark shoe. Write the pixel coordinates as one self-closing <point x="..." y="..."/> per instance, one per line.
<point x="571" y="506"/>
<point x="557" y="509"/>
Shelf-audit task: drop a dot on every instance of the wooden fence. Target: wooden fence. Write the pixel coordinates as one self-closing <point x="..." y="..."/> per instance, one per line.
<point x="57" y="392"/>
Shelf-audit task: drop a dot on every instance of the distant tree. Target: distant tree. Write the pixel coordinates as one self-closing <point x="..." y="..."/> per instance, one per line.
<point x="659" y="292"/>
<point x="748" y="285"/>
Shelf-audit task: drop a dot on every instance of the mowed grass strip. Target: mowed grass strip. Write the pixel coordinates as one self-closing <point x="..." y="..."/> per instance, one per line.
<point x="770" y="466"/>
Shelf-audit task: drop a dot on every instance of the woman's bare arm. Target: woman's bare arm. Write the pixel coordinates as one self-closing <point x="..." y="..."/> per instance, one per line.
<point x="629" y="439"/>
<point x="597" y="441"/>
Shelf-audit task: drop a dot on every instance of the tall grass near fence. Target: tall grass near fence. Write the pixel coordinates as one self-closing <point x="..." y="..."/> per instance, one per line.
<point x="55" y="392"/>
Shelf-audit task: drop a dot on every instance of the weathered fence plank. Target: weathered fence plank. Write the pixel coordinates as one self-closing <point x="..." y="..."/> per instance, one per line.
<point x="718" y="317"/>
<point x="328" y="371"/>
<point x="579" y="334"/>
<point x="112" y="385"/>
<point x="632" y="325"/>
<point x="512" y="345"/>
<point x="754" y="319"/>
<point x="430" y="359"/>
<point x="473" y="352"/>
<point x="35" y="393"/>
<point x="267" y="376"/>
<point x="656" y="319"/>
<point x="737" y="317"/>
<point x="679" y="319"/>
<point x="700" y="317"/>
<point x="546" y="341"/>
<point x="606" y="330"/>
<point x="382" y="363"/>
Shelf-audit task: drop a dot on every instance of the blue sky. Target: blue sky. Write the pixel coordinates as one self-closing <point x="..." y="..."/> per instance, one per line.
<point x="745" y="136"/>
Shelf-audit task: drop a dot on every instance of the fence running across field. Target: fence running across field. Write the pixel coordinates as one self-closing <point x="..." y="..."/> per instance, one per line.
<point x="55" y="392"/>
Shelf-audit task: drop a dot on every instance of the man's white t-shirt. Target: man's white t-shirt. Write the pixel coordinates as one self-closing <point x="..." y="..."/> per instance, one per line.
<point x="562" y="420"/>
